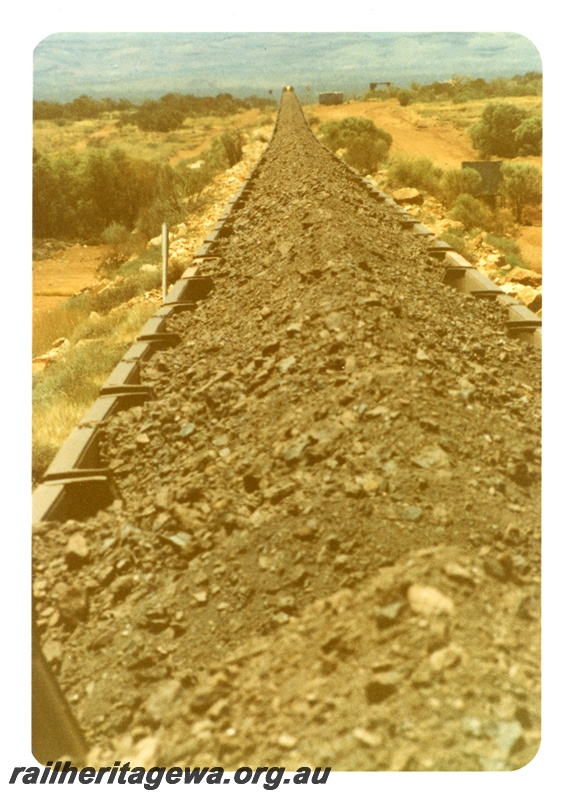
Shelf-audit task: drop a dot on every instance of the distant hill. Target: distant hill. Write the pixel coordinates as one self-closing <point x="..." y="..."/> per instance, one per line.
<point x="143" y="66"/>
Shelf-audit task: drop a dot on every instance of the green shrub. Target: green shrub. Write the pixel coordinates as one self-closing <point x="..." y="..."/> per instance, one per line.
<point x="122" y="291"/>
<point x="115" y="234"/>
<point x="459" y="181"/>
<point x="462" y="88"/>
<point x="522" y="186"/>
<point x="78" y="195"/>
<point x="415" y="172"/>
<point x="509" y="247"/>
<point x="503" y="222"/>
<point x="59" y="322"/>
<point x="471" y="212"/>
<point x="340" y="133"/>
<point x="233" y="145"/>
<point x="155" y="115"/>
<point x="456" y="239"/>
<point x="494" y="134"/>
<point x="528" y="137"/>
<point x="365" y="154"/>
<point x="64" y="390"/>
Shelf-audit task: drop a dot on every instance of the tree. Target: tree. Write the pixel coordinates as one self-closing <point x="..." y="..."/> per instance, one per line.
<point x="155" y="115"/>
<point x="494" y="134"/>
<point x="528" y="137"/>
<point x="522" y="186"/>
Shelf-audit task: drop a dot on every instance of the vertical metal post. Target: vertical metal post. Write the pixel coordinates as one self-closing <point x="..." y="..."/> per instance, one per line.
<point x="165" y="254"/>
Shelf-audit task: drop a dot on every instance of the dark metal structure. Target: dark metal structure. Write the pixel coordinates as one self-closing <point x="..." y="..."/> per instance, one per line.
<point x="331" y="98"/>
<point x="490" y="172"/>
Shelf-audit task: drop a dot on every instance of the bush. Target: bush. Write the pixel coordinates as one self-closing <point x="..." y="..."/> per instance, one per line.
<point x="418" y="173"/>
<point x="77" y="196"/>
<point x="503" y="222"/>
<point x="365" y="154"/>
<point x="522" y="186"/>
<point x="528" y="137"/>
<point x="494" y="134"/>
<point x="339" y="133"/>
<point x="471" y="212"/>
<point x="509" y="247"/>
<point x="459" y="181"/>
<point x="115" y="235"/>
<point x="65" y="389"/>
<point x="462" y="88"/>
<point x="59" y="322"/>
<point x="233" y="146"/>
<point x="154" y="115"/>
<point x="122" y="243"/>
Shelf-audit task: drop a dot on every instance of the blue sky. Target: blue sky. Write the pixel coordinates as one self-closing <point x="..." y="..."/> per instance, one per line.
<point x="143" y="65"/>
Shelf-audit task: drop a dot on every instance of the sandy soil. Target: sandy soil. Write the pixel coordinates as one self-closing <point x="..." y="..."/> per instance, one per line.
<point x="530" y="242"/>
<point x="55" y="279"/>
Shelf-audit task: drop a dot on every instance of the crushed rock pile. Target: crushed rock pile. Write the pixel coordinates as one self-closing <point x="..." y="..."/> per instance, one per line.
<point x="327" y="544"/>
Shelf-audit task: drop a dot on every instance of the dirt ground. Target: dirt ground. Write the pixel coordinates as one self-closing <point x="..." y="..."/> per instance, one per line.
<point x="530" y="242"/>
<point x="67" y="272"/>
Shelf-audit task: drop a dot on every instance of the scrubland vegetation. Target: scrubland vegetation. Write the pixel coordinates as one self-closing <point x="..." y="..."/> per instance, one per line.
<point x="77" y="196"/>
<point x="164" y="114"/>
<point x="503" y="130"/>
<point x="461" y="89"/>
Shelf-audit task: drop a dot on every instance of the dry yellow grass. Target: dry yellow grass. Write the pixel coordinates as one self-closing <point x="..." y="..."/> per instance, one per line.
<point x="67" y="387"/>
<point x="51" y="138"/>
